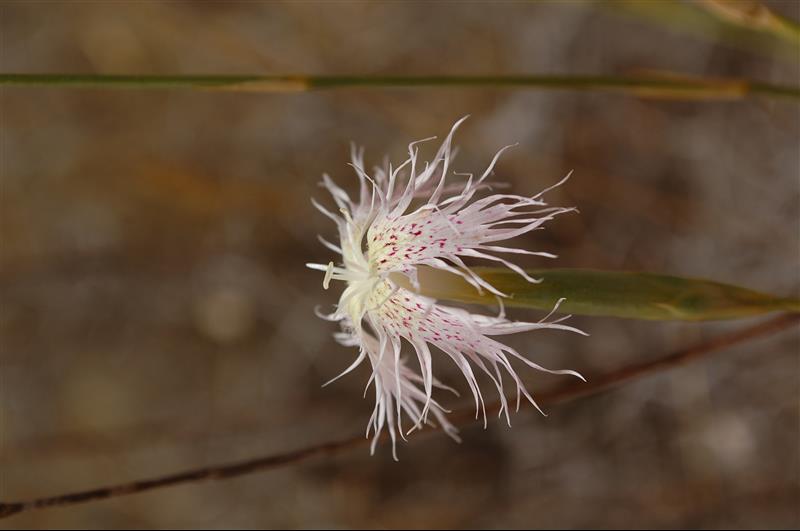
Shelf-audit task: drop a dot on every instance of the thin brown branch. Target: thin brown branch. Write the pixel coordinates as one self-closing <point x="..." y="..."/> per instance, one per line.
<point x="462" y="417"/>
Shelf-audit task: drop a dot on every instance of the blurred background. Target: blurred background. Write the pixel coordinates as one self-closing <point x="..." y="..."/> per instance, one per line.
<point x="156" y="314"/>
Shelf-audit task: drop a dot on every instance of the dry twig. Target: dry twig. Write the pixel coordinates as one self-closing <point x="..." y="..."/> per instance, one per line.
<point x="465" y="416"/>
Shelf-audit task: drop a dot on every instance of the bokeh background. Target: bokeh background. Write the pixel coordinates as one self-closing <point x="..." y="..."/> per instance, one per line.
<point x="156" y="314"/>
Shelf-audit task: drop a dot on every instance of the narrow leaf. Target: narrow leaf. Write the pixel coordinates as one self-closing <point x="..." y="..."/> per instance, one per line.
<point x="610" y="293"/>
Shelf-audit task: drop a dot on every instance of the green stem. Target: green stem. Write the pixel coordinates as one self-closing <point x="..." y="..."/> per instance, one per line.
<point x="674" y="87"/>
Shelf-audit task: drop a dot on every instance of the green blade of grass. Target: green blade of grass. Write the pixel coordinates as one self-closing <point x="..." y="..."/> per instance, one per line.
<point x="754" y="16"/>
<point x="743" y="24"/>
<point x="609" y="293"/>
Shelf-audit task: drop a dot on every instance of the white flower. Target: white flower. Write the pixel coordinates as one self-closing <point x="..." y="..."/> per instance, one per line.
<point x="404" y="218"/>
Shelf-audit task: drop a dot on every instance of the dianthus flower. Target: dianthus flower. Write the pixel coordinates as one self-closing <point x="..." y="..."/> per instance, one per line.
<point x="410" y="217"/>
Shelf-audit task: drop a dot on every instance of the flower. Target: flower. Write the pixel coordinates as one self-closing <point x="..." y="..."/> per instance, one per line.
<point x="410" y="217"/>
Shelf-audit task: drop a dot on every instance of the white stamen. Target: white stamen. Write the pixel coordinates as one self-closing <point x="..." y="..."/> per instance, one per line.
<point x="328" y="274"/>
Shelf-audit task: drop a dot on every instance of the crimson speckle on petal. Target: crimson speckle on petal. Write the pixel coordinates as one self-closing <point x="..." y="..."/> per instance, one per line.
<point x="412" y="216"/>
